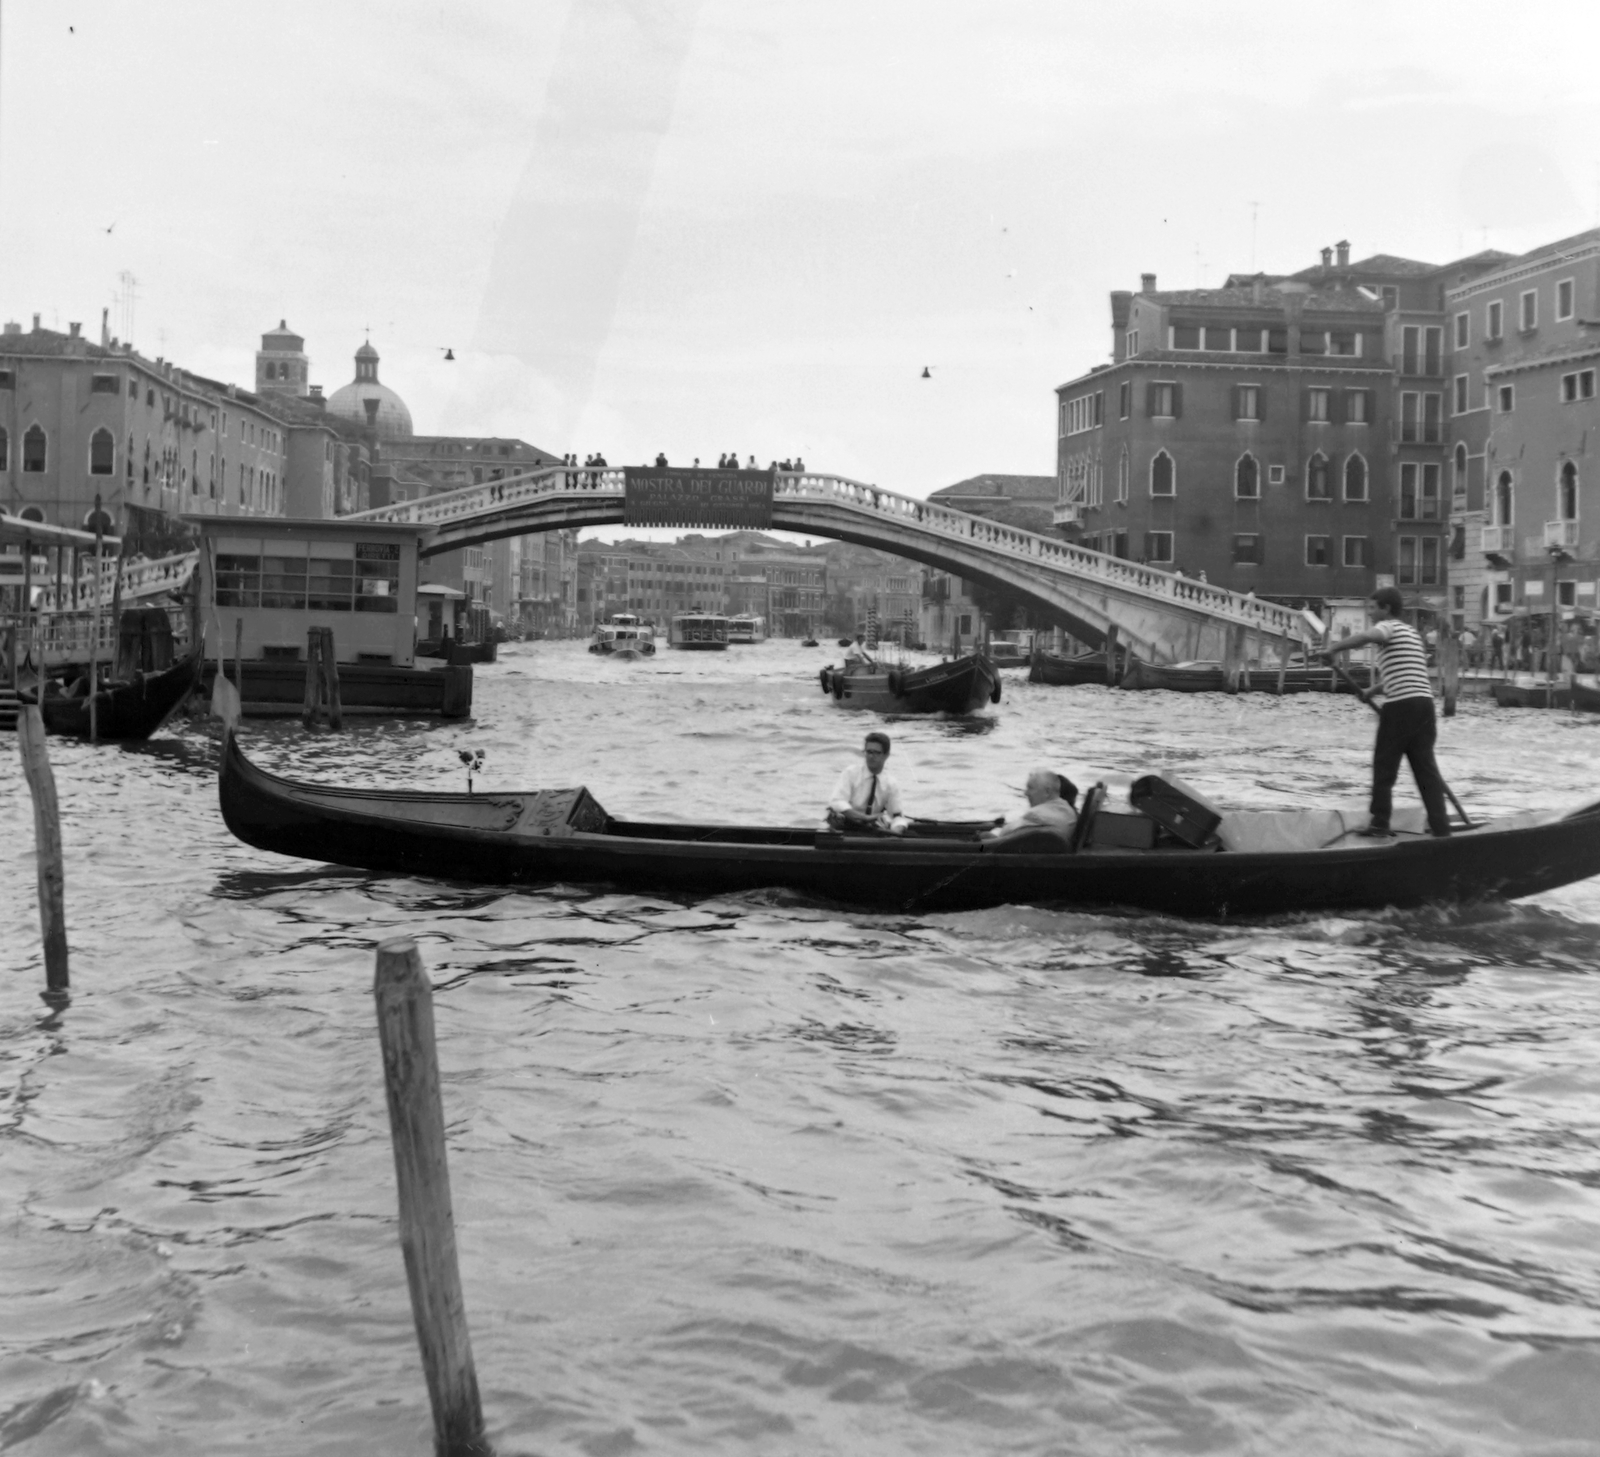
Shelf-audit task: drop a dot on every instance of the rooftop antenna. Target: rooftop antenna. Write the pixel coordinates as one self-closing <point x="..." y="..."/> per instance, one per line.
<point x="1255" y="207"/>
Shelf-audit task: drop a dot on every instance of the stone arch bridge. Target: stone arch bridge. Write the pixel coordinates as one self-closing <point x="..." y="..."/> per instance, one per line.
<point x="1163" y="618"/>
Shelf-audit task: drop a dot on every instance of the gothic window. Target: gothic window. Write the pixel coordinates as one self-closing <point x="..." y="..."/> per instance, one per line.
<point x="1355" y="479"/>
<point x="33" y="449"/>
<point x="1317" y="485"/>
<point x="1163" y="475"/>
<point x="1502" y="499"/>
<point x="1568" y="505"/>
<point x="1247" y="478"/>
<point x="102" y="453"/>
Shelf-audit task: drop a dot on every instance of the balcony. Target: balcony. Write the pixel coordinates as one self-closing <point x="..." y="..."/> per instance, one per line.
<point x="1068" y="515"/>
<point x="1497" y="540"/>
<point x="1561" y="534"/>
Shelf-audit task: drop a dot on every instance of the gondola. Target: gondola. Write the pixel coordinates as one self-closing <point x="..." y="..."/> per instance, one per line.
<point x="132" y="708"/>
<point x="1279" y="862"/>
<point x="962" y="685"/>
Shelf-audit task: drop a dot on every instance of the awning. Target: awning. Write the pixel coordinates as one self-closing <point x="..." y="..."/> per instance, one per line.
<point x="438" y="589"/>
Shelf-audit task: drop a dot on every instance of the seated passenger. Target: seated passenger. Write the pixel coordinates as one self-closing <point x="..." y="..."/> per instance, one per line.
<point x="1051" y="798"/>
<point x="865" y="796"/>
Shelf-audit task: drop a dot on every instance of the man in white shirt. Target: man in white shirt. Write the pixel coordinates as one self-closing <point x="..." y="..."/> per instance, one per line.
<point x="1050" y="807"/>
<point x="865" y="796"/>
<point x="858" y="659"/>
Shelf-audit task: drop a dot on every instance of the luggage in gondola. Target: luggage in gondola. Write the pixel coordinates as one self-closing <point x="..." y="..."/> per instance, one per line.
<point x="1181" y="812"/>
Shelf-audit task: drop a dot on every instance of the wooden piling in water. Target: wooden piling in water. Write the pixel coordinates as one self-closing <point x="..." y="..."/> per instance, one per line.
<point x="427" y="1226"/>
<point x="1449" y="670"/>
<point x="47" y="841"/>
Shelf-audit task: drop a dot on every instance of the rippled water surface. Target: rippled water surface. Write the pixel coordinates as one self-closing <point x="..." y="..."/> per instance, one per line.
<point x="758" y="1175"/>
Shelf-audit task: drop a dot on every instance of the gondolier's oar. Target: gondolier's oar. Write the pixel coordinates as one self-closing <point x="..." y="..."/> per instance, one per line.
<point x="1365" y="695"/>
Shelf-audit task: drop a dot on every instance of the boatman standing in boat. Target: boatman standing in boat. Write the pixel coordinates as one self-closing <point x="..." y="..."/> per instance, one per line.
<point x="1406" y="727"/>
<point x="865" y="796"/>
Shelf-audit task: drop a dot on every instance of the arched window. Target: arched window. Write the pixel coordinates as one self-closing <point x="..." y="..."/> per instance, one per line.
<point x="1502" y="499"/>
<point x="194" y="471"/>
<point x="128" y="460"/>
<point x="1355" y="479"/>
<point x="31" y="513"/>
<point x="33" y="449"/>
<point x="99" y="520"/>
<point x="1459" y="484"/>
<point x="1163" y="475"/>
<point x="102" y="453"/>
<point x="1123" y="475"/>
<point x="1568" y="506"/>
<point x="1317" y="485"/>
<point x="147" y="462"/>
<point x="1247" y="478"/>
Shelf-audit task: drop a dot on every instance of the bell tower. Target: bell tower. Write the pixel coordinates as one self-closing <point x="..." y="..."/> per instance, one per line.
<point x="281" y="363"/>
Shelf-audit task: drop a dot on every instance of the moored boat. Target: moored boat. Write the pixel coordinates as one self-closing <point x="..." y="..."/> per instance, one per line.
<point x="1065" y="672"/>
<point x="1011" y="649"/>
<point x="746" y="627"/>
<point x="1263" y="862"/>
<point x="1531" y="694"/>
<point x="1210" y="677"/>
<point x="133" y="707"/>
<point x="962" y="685"/>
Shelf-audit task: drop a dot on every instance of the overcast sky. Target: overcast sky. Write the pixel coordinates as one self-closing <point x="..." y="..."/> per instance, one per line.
<point x="701" y="225"/>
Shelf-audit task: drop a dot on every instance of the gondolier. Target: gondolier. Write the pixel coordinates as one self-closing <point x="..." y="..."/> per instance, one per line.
<point x="1407" y="728"/>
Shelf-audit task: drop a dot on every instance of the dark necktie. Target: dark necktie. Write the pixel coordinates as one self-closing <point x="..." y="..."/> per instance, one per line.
<point x="872" y="793"/>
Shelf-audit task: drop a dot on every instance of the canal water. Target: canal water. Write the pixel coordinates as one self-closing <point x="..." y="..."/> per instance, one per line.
<point x="756" y="1175"/>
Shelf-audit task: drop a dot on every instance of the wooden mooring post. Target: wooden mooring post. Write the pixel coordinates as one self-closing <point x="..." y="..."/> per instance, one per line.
<point x="47" y="841"/>
<point x="322" y="680"/>
<point x="427" y="1226"/>
<point x="1449" y="669"/>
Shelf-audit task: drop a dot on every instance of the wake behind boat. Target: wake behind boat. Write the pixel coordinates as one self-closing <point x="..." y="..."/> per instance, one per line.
<point x="1256" y="863"/>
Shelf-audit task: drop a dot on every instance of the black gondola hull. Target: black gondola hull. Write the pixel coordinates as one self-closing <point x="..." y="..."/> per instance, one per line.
<point x="512" y="839"/>
<point x="125" y="711"/>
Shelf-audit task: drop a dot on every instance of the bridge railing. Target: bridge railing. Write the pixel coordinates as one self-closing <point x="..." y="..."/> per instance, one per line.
<point x="140" y="579"/>
<point x="493" y="497"/>
<point x="1114" y="571"/>
<point x="489" y="497"/>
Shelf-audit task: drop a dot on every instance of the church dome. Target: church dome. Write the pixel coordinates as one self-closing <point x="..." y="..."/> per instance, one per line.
<point x="394" y="419"/>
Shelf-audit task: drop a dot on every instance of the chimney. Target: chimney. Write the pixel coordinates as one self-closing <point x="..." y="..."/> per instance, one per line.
<point x="12" y="327"/>
<point x="1258" y="289"/>
<point x="35" y="323"/>
<point x="316" y="393"/>
<point x="1147" y="283"/>
<point x="371" y="407"/>
<point x="1327" y="259"/>
<point x="105" y="328"/>
<point x="1344" y="252"/>
<point x="74" y="331"/>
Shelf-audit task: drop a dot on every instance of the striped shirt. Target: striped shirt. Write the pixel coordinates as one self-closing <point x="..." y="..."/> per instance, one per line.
<point x="1402" y="664"/>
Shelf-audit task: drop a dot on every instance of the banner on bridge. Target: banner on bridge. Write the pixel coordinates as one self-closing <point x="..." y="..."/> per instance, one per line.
<point x="664" y="496"/>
